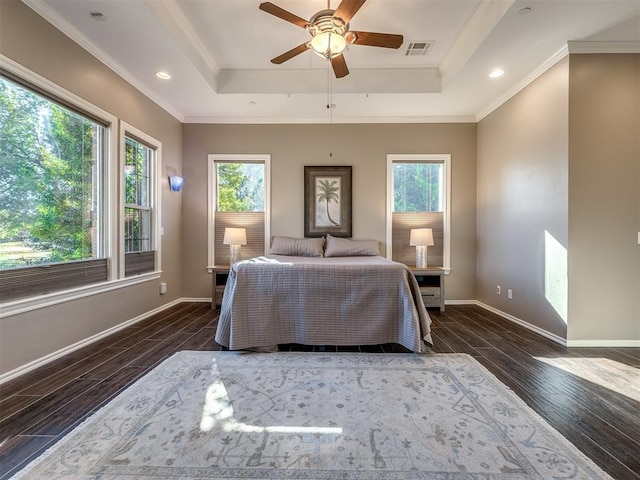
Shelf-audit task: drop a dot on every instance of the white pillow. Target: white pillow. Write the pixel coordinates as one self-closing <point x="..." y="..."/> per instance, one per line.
<point x="343" y="247"/>
<point x="297" y="247"/>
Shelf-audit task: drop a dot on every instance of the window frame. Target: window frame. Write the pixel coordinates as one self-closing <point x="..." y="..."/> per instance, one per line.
<point x="155" y="205"/>
<point x="212" y="196"/>
<point x="110" y="201"/>
<point x="445" y="159"/>
<point x="100" y="186"/>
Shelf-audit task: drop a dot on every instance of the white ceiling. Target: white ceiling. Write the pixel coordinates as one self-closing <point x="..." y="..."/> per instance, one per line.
<point x="218" y="54"/>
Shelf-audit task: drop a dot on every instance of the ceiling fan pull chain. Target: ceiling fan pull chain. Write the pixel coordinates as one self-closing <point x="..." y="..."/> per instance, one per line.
<point x="329" y="86"/>
<point x="330" y="107"/>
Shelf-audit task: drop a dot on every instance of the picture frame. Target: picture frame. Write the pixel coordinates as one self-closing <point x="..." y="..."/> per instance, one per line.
<point x="327" y="201"/>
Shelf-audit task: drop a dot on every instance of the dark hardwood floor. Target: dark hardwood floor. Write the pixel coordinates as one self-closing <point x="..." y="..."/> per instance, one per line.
<point x="590" y="395"/>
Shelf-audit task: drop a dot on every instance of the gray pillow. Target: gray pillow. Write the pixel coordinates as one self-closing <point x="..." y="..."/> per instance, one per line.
<point x="297" y="247"/>
<point x="343" y="247"/>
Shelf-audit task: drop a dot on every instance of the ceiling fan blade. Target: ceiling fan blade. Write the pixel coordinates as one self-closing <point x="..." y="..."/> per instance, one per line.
<point x="290" y="54"/>
<point x="347" y="9"/>
<point x="339" y="65"/>
<point x="283" y="14"/>
<point x="373" y="39"/>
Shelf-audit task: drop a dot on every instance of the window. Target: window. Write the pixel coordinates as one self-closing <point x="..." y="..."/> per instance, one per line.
<point x="53" y="190"/>
<point x="137" y="202"/>
<point x="240" y="187"/>
<point x="64" y="199"/>
<point x="418" y="189"/>
<point x="238" y="198"/>
<point x="140" y="213"/>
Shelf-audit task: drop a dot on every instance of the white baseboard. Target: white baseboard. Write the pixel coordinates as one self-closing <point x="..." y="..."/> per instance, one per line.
<point x="5" y="377"/>
<point x="555" y="338"/>
<point x="603" y="343"/>
<point x="551" y="336"/>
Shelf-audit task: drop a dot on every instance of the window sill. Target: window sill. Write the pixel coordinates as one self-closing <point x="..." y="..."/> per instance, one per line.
<point x="23" y="305"/>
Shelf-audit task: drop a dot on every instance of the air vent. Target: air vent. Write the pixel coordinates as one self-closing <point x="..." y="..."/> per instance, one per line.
<point x="418" y="48"/>
<point x="99" y="16"/>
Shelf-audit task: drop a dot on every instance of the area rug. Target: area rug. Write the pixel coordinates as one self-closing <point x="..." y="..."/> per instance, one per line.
<point x="213" y="415"/>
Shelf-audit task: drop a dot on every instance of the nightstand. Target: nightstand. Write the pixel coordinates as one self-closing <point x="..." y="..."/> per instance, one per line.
<point x="220" y="273"/>
<point x="431" y="282"/>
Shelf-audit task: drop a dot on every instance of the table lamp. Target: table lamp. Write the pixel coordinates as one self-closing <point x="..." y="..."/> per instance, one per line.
<point x="421" y="238"/>
<point x="234" y="237"/>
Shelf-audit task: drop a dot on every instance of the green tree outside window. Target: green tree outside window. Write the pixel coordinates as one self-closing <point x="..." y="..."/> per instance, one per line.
<point x="48" y="191"/>
<point x="417" y="187"/>
<point x="240" y="187"/>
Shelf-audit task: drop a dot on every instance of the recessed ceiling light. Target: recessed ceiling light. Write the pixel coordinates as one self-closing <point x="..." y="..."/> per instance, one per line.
<point x="524" y="11"/>
<point x="498" y="72"/>
<point x="163" y="75"/>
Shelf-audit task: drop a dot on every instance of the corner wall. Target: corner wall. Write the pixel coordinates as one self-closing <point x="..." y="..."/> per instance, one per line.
<point x="29" y="40"/>
<point x="604" y="198"/>
<point x="522" y="202"/>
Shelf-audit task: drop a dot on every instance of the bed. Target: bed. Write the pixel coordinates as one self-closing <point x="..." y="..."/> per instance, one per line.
<point x="319" y="300"/>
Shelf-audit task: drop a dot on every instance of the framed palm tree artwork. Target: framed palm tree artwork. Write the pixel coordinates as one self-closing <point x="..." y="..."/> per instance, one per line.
<point x="327" y="201"/>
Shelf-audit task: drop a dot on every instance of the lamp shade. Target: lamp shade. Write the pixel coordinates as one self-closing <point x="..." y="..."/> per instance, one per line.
<point x="176" y="182"/>
<point x="421" y="237"/>
<point x="235" y="236"/>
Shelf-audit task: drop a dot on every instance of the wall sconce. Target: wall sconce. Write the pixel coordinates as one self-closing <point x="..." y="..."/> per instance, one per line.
<point x="176" y="182"/>
<point x="421" y="238"/>
<point x="234" y="237"/>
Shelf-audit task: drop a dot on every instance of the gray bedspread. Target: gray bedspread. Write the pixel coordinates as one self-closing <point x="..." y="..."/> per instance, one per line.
<point x="322" y="301"/>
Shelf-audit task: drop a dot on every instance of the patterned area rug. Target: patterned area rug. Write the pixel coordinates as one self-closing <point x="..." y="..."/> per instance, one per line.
<point x="212" y="415"/>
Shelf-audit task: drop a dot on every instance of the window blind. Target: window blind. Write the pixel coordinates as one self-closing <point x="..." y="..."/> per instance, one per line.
<point x="136" y="263"/>
<point x="402" y="223"/>
<point x="252" y="221"/>
<point x="16" y="283"/>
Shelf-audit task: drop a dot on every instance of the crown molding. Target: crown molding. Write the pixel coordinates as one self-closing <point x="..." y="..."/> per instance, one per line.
<point x="521" y="85"/>
<point x="585" y="47"/>
<point x="324" y="120"/>
<point x="483" y="21"/>
<point x="51" y="16"/>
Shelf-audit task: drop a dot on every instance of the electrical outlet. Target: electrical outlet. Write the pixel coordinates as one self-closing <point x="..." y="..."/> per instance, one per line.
<point x="498" y="290"/>
<point x="163" y="288"/>
<point x="510" y="294"/>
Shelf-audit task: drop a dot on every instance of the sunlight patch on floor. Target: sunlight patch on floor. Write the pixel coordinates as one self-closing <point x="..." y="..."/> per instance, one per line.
<point x="218" y="411"/>
<point x="615" y="376"/>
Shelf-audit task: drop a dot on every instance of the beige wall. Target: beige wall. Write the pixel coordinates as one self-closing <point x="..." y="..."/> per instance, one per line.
<point x="522" y="193"/>
<point x="604" y="197"/>
<point x="365" y="147"/>
<point x="32" y="42"/>
<point x="540" y="158"/>
<point x="563" y="157"/>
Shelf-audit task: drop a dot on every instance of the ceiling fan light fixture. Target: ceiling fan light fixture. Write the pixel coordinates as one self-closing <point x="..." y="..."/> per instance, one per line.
<point x="330" y="34"/>
<point x="328" y="44"/>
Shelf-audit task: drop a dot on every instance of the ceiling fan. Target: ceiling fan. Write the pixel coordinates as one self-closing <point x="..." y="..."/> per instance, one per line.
<point x="331" y="35"/>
